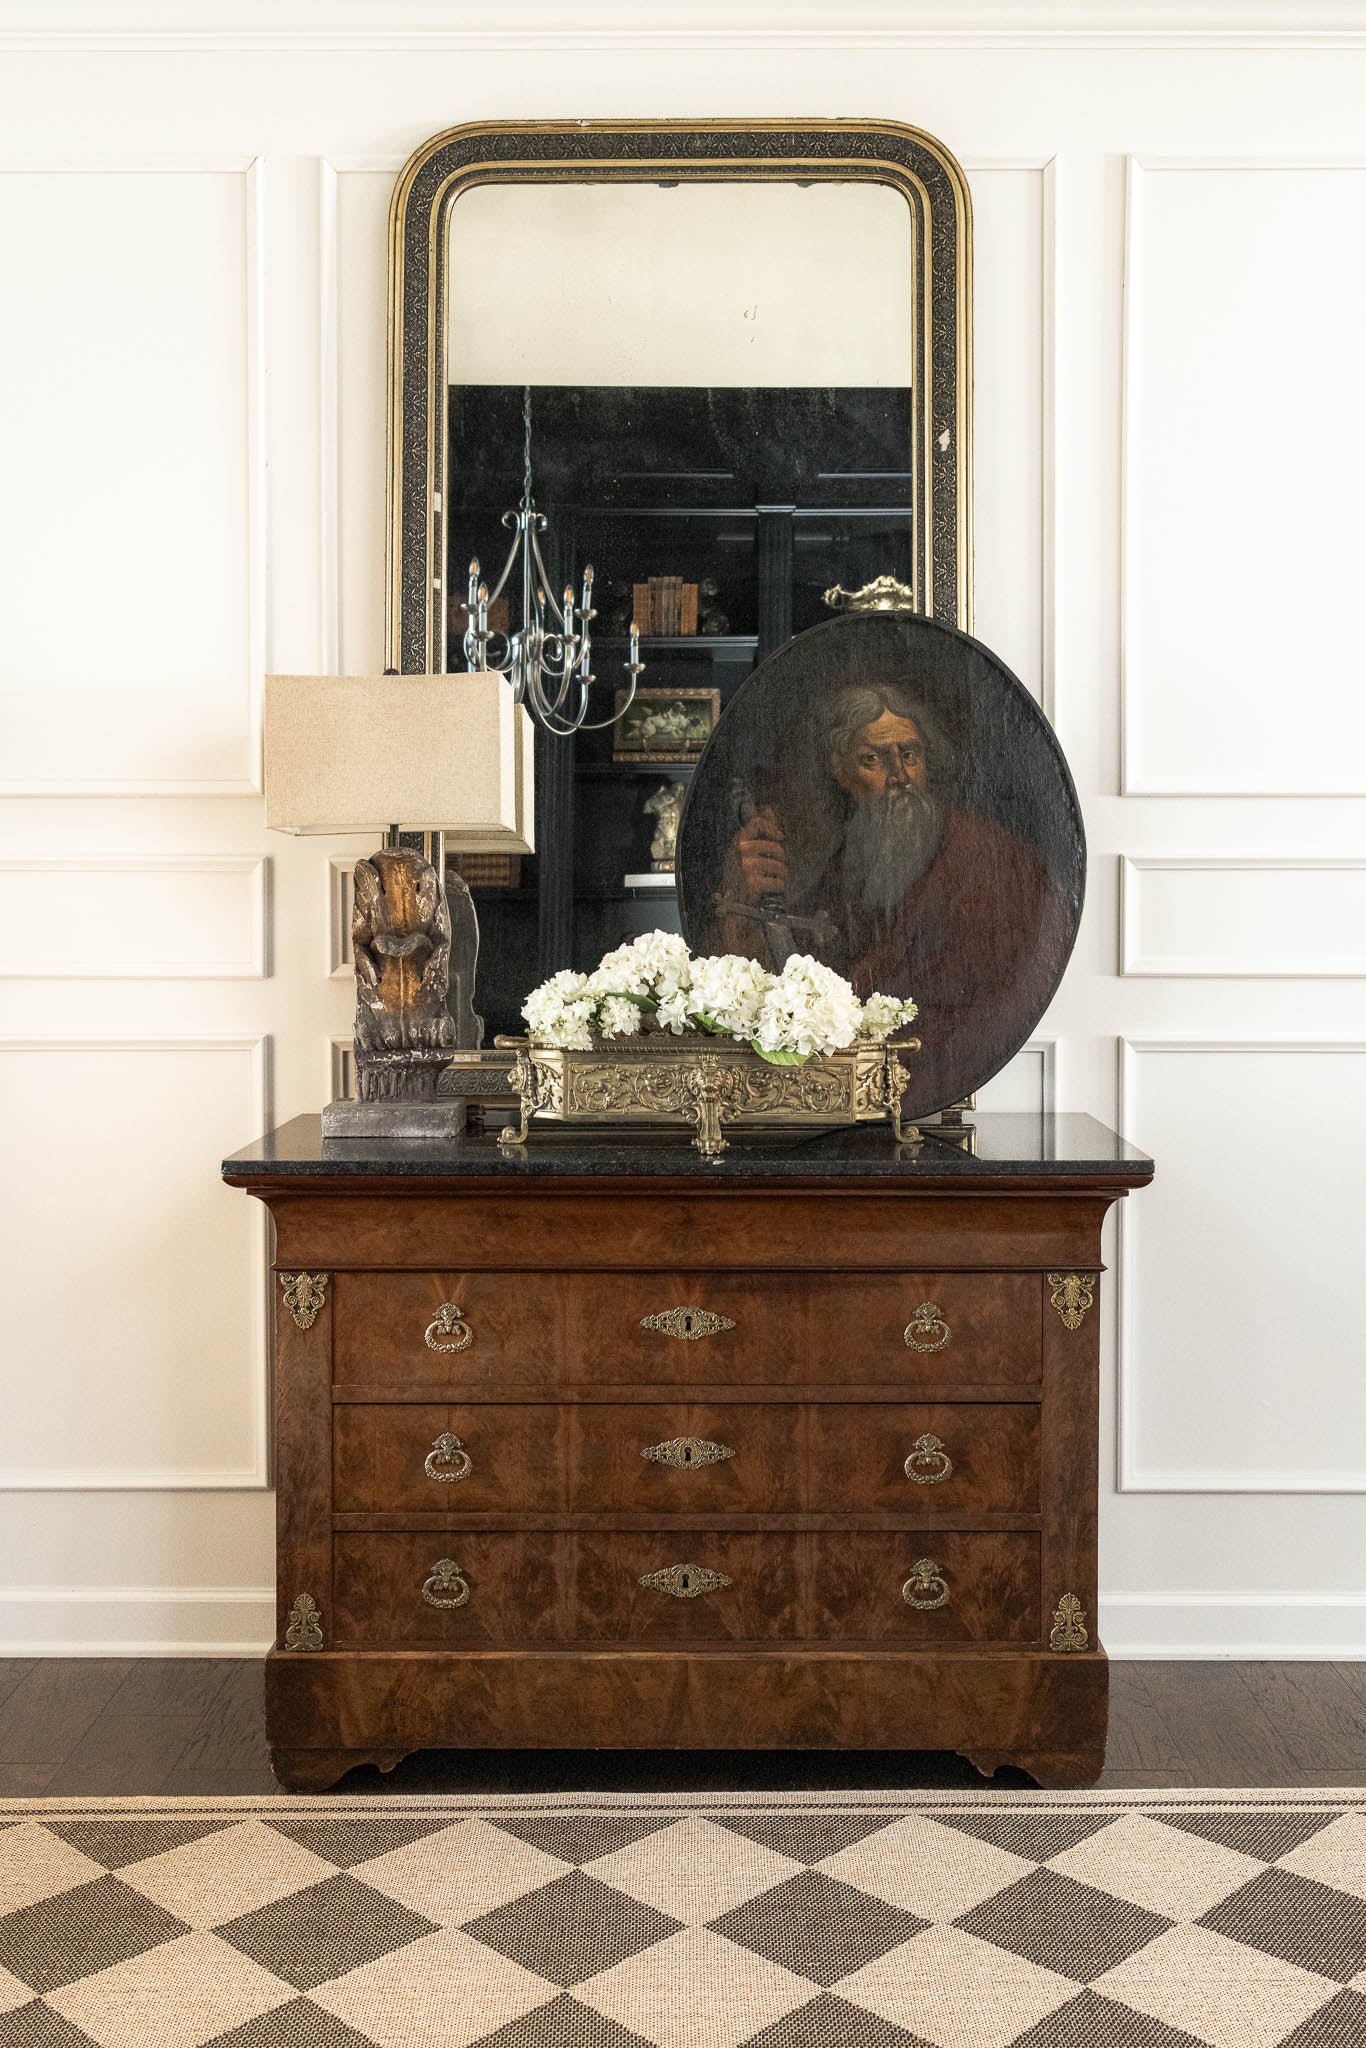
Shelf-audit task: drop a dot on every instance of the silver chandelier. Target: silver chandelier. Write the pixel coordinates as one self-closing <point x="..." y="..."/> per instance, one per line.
<point x="548" y="659"/>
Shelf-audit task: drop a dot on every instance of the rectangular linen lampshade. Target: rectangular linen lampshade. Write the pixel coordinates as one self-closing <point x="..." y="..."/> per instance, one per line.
<point x="452" y="753"/>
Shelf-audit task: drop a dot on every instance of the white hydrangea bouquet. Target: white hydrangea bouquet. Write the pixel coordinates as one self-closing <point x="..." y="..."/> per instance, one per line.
<point x="654" y="1034"/>
<point x="655" y="982"/>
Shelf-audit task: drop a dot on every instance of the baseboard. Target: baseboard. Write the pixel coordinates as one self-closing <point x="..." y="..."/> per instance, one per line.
<point x="136" y="1621"/>
<point x="1328" y="1626"/>
<point x="239" y="1621"/>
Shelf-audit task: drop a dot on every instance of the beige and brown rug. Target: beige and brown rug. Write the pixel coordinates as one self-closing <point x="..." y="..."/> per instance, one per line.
<point x="812" y="1920"/>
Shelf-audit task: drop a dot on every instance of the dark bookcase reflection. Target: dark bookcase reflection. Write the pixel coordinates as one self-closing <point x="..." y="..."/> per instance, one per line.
<point x="770" y="496"/>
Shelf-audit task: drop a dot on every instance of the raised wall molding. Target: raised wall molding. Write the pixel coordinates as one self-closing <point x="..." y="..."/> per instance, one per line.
<point x="705" y="24"/>
<point x="1047" y="171"/>
<point x="1130" y="1476"/>
<point x="1132" y="781"/>
<point x="1270" y="964"/>
<point x="1048" y="1051"/>
<point x="331" y="373"/>
<point x="251" y="171"/>
<point x="339" y="879"/>
<point x="177" y="1478"/>
<point x="340" y="1059"/>
<point x="69" y="964"/>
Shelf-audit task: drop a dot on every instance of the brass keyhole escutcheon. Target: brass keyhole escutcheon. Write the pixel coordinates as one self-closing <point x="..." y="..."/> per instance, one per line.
<point x="688" y="1452"/>
<point x="688" y="1323"/>
<point x="448" y="1459"/>
<point x="927" y="1586"/>
<point x="449" y="1321"/>
<point x="928" y="1464"/>
<point x="685" y="1581"/>
<point x="446" y="1585"/>
<point x="927" y="1330"/>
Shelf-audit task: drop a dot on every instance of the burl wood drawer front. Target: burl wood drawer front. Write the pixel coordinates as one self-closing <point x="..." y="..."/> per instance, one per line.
<point x="493" y="1589"/>
<point x="532" y="1329"/>
<point x="686" y="1457"/>
<point x="455" y="1458"/>
<point x="682" y="1458"/>
<point x="943" y="1458"/>
<point x="924" y="1587"/>
<point x="464" y="1589"/>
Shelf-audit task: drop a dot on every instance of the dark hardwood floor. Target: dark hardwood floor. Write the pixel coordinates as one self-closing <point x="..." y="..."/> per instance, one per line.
<point x="194" y="1725"/>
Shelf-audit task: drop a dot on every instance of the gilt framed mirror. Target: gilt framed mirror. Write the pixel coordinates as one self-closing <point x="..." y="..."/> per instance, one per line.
<point x="737" y="358"/>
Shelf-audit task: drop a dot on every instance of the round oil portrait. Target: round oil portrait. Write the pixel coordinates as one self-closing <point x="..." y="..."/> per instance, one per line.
<point x="884" y="794"/>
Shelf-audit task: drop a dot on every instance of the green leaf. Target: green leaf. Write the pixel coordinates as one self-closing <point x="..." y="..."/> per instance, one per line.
<point x="778" y="1059"/>
<point x="623" y="996"/>
<point x="705" y="1023"/>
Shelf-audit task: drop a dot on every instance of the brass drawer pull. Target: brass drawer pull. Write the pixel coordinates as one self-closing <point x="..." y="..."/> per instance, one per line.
<point x="449" y="1322"/>
<point x="929" y="1452"/>
<point x="927" y="1586"/>
<point x="448" y="1459"/>
<point x="685" y="1581"/>
<point x="927" y="1330"/>
<point x="688" y="1452"/>
<point x="446" y="1578"/>
<point x="687" y="1322"/>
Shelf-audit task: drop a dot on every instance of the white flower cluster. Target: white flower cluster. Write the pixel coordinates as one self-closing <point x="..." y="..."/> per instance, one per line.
<point x="654" y="983"/>
<point x="808" y="1008"/>
<point x="727" y="996"/>
<point x="561" y="1011"/>
<point x="882" y="1015"/>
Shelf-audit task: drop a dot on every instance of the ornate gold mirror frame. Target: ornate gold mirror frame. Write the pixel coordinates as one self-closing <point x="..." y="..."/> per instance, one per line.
<point x="885" y="152"/>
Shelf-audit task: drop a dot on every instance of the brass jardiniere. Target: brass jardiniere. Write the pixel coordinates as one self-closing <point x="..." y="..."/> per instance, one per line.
<point x="707" y="1082"/>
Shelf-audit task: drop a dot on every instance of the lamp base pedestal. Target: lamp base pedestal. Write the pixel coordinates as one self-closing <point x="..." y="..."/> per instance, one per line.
<point x="444" y="1119"/>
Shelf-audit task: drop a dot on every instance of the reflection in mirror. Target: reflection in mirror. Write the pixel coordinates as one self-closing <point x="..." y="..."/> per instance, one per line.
<point x="720" y="379"/>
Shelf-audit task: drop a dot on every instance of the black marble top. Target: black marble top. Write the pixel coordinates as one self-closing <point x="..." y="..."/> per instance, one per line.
<point x="1039" y="1148"/>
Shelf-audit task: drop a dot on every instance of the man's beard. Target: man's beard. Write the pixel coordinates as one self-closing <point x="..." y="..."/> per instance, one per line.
<point x="889" y="842"/>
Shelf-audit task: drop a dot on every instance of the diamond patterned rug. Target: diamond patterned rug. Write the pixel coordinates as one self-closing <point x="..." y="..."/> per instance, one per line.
<point x="811" y="1920"/>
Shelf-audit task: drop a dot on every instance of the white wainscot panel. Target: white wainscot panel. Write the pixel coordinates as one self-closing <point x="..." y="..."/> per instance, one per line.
<point x="130" y="634"/>
<point x="1242" y="917"/>
<point x="1240" y="1269"/>
<point x="339" y="877"/>
<point x="1245" y="439"/>
<point x="136" y="1347"/>
<point x="1012" y="210"/>
<point x="1028" y="1084"/>
<point x="354" y="196"/>
<point x="168" y="917"/>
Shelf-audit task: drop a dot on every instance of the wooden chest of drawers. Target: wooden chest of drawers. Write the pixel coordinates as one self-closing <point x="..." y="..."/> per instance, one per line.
<point x="794" y="1449"/>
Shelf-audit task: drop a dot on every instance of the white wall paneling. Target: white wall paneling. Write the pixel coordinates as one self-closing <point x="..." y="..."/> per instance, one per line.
<point x="340" y="1064"/>
<point x="153" y="917"/>
<point x="1240" y="1296"/>
<point x="137" y="1340"/>
<point x="338" y="876"/>
<point x="1030" y="1083"/>
<point x="353" y="210"/>
<point x="131" y="404"/>
<point x="1198" y="915"/>
<point x="1244" y="439"/>
<point x="145" y="247"/>
<point x="1014" y="341"/>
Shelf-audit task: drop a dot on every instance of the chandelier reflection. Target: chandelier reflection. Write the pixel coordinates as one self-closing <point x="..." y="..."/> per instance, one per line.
<point x="548" y="659"/>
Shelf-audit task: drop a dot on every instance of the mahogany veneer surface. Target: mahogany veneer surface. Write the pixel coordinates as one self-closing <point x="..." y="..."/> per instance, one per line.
<point x="870" y="1485"/>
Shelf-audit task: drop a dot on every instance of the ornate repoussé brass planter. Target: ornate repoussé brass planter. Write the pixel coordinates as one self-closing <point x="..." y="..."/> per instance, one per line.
<point x="694" y="1079"/>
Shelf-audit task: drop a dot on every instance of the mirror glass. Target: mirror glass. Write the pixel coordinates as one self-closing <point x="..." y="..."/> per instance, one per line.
<point x="719" y="376"/>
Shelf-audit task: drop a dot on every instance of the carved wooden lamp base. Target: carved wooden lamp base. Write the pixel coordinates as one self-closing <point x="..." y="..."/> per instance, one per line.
<point x="405" y="1034"/>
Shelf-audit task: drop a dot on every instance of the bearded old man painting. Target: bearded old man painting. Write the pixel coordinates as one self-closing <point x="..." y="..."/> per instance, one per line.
<point x="864" y="837"/>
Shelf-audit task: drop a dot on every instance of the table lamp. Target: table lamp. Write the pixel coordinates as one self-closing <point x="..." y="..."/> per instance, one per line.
<point x="452" y="756"/>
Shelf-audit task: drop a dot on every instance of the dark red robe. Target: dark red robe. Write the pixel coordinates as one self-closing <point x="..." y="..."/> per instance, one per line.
<point x="979" y="941"/>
